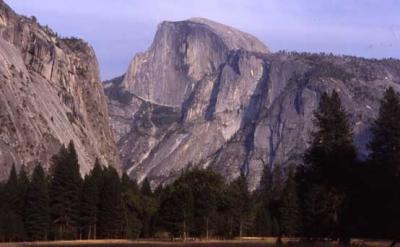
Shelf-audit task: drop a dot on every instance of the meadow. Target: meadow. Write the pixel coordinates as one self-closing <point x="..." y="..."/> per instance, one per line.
<point x="267" y="242"/>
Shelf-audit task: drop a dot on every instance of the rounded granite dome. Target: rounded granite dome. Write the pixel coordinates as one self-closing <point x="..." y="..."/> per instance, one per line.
<point x="234" y="38"/>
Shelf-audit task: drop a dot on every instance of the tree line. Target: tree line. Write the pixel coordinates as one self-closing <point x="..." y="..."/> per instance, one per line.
<point x="332" y="195"/>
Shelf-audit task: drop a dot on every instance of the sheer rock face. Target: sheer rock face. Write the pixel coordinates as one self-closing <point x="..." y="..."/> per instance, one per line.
<point x="49" y="94"/>
<point x="208" y="95"/>
<point x="182" y="54"/>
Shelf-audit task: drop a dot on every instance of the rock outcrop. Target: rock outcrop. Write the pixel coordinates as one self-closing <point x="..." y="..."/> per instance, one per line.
<point x="50" y="93"/>
<point x="208" y="95"/>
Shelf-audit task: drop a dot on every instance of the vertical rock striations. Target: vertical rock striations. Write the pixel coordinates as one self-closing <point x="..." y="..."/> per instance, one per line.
<point x="49" y="94"/>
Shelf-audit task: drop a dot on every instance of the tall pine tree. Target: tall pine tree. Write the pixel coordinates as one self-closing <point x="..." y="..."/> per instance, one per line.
<point x="264" y="198"/>
<point x="132" y="208"/>
<point x="37" y="217"/>
<point x="23" y="185"/>
<point x="384" y="173"/>
<point x="328" y="167"/>
<point x="240" y="206"/>
<point x="176" y="210"/>
<point x="149" y="209"/>
<point x="65" y="189"/>
<point x="13" y="220"/>
<point x="111" y="216"/>
<point x="92" y="185"/>
<point x="290" y="211"/>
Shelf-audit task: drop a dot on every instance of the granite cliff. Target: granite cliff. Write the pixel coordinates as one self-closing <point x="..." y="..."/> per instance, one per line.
<point x="208" y="95"/>
<point x="50" y="93"/>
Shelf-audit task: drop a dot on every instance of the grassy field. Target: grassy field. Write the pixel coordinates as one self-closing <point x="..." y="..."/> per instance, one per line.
<point x="210" y="243"/>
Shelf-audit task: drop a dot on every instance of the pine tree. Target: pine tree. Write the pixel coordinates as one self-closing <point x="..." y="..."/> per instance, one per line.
<point x="176" y="210"/>
<point x="146" y="188"/>
<point x="264" y="191"/>
<point x="265" y="198"/>
<point x="206" y="187"/>
<point x="90" y="201"/>
<point x="240" y="201"/>
<point x="13" y="220"/>
<point x="328" y="167"/>
<point x="132" y="207"/>
<point x="11" y="190"/>
<point x="262" y="222"/>
<point x="111" y="216"/>
<point x="332" y="152"/>
<point x="384" y="201"/>
<point x="278" y="182"/>
<point x="289" y="211"/>
<point x="385" y="141"/>
<point x="147" y="214"/>
<point x="65" y="193"/>
<point x="23" y="186"/>
<point x="37" y="217"/>
<point x="269" y="195"/>
<point x="275" y="227"/>
<point x="150" y="206"/>
<point x="88" y="208"/>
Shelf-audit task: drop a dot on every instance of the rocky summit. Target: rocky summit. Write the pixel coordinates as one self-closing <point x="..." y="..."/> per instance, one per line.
<point x="208" y="95"/>
<point x="50" y="93"/>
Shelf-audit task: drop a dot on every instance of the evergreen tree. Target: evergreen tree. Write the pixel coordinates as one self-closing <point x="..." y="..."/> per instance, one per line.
<point x="385" y="141"/>
<point x="147" y="214"/>
<point x="278" y="182"/>
<point x="176" y="209"/>
<point x="146" y="188"/>
<point x="384" y="201"/>
<point x="158" y="191"/>
<point x="23" y="186"/>
<point x="289" y="211"/>
<point x="111" y="215"/>
<point x="262" y="221"/>
<point x="328" y="167"/>
<point x="132" y="207"/>
<point x="88" y="209"/>
<point x="13" y="220"/>
<point x="90" y="201"/>
<point x="264" y="192"/>
<point x="275" y="227"/>
<point x="149" y="209"/>
<point x="37" y="217"/>
<point x="65" y="193"/>
<point x="206" y="187"/>
<point x="265" y="198"/>
<point x="240" y="202"/>
<point x="191" y="204"/>
<point x="11" y="190"/>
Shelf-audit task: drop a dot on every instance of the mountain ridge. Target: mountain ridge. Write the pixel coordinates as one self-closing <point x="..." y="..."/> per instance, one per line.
<point x="249" y="109"/>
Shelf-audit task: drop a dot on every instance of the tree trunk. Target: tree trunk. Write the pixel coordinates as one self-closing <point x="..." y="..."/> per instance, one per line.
<point x="231" y="227"/>
<point x="184" y="230"/>
<point x="207" y="228"/>
<point x="60" y="231"/>
<point x="240" y="230"/>
<point x="89" y="232"/>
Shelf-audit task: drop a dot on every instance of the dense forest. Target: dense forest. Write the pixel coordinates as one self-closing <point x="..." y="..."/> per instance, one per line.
<point x="331" y="195"/>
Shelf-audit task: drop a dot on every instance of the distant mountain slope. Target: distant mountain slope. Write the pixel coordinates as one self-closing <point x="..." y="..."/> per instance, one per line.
<point x="49" y="94"/>
<point x="204" y="95"/>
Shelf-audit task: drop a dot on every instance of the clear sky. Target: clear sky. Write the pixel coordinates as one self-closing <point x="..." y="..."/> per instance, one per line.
<point x="117" y="29"/>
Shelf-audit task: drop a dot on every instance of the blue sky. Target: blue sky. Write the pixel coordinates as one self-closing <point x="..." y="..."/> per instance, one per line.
<point x="117" y="29"/>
